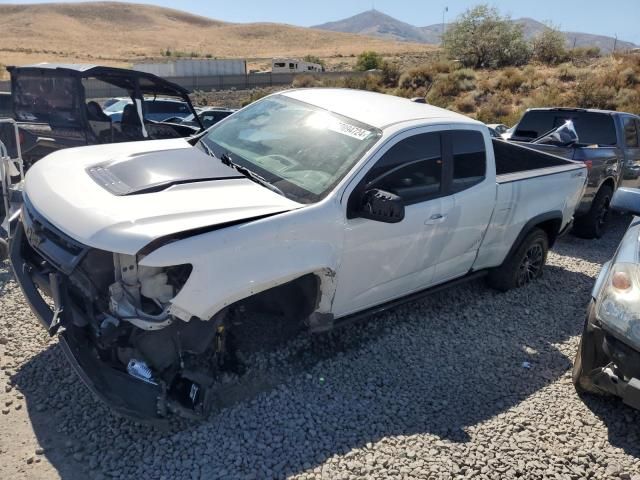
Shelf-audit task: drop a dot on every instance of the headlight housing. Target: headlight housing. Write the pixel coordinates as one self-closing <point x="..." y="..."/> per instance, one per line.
<point x="618" y="303"/>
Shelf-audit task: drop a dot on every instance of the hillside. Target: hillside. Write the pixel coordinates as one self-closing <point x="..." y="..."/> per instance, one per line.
<point x="120" y="33"/>
<point x="378" y="24"/>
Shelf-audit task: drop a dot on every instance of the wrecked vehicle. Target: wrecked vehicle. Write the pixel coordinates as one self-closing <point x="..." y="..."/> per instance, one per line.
<point x="608" y="357"/>
<point x="607" y="143"/>
<point x="320" y="205"/>
<point x="58" y="106"/>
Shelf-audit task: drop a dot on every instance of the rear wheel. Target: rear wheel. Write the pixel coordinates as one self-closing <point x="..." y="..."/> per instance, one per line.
<point x="524" y="265"/>
<point x="593" y="224"/>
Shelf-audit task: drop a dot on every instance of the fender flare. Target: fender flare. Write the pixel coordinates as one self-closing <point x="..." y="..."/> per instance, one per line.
<point x="530" y="225"/>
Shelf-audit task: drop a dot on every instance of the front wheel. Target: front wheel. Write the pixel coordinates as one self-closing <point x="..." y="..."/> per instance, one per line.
<point x="524" y="265"/>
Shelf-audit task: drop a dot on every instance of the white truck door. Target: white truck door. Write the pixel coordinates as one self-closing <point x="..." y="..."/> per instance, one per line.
<point x="384" y="261"/>
<point x="474" y="195"/>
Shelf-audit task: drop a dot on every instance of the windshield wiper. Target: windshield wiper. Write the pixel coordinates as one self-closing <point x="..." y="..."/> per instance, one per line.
<point x="226" y="159"/>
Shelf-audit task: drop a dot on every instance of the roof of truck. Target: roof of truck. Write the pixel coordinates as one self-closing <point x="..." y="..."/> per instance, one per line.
<point x="375" y="109"/>
<point x="572" y="109"/>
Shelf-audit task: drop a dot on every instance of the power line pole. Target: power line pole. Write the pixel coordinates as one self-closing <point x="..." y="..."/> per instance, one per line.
<point x="444" y="25"/>
<point x="615" y="43"/>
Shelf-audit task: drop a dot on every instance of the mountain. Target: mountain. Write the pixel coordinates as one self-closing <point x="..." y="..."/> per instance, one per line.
<point x="121" y="33"/>
<point x="378" y="24"/>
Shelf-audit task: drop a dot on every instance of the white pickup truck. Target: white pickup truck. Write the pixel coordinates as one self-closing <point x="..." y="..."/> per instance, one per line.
<point x="317" y="206"/>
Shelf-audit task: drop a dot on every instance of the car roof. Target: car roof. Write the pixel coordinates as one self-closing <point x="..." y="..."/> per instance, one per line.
<point x="375" y="109"/>
<point x="120" y="77"/>
<point x="570" y="109"/>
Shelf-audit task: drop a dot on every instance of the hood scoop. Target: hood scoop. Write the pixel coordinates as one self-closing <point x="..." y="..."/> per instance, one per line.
<point x="150" y="172"/>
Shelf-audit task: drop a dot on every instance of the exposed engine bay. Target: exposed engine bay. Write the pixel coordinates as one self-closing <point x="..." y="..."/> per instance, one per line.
<point x="115" y="318"/>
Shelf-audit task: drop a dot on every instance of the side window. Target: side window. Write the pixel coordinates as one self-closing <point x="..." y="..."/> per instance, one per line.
<point x="630" y="132"/>
<point x="412" y="169"/>
<point x="469" y="159"/>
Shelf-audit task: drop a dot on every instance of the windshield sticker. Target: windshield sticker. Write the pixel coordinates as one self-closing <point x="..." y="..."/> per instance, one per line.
<point x="349" y="130"/>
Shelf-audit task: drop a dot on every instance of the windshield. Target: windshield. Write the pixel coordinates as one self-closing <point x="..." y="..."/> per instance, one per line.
<point x="593" y="128"/>
<point x="118" y="106"/>
<point x="301" y="149"/>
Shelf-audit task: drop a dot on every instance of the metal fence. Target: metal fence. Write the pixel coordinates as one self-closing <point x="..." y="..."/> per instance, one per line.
<point x="97" y="89"/>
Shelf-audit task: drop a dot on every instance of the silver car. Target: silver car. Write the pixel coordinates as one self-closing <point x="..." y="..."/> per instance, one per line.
<point x="608" y="358"/>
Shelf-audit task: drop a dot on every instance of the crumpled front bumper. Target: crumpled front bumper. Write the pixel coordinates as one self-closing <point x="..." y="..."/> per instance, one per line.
<point x="616" y="364"/>
<point x="120" y="391"/>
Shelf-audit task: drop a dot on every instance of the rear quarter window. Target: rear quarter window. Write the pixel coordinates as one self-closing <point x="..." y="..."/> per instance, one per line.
<point x="469" y="159"/>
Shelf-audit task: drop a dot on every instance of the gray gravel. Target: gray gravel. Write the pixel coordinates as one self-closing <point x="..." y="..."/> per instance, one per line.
<point x="468" y="383"/>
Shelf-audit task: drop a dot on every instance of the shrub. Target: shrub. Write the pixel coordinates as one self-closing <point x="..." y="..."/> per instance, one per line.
<point x="629" y="77"/>
<point x="582" y="54"/>
<point x="306" y="81"/>
<point x="419" y="78"/>
<point x="390" y="74"/>
<point x="497" y="109"/>
<point x="567" y="72"/>
<point x="368" y="61"/>
<point x="549" y="46"/>
<point x="628" y="100"/>
<point x="466" y="104"/>
<point x="510" y="79"/>
<point x="481" y="37"/>
<point x="589" y="92"/>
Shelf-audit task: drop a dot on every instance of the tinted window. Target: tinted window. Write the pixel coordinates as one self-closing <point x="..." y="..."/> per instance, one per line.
<point x="592" y="127"/>
<point x="630" y="132"/>
<point x="411" y="169"/>
<point x="469" y="159"/>
<point x="166" y="107"/>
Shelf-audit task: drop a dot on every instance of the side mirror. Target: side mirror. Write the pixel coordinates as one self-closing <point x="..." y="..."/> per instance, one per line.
<point x="381" y="206"/>
<point x="626" y="200"/>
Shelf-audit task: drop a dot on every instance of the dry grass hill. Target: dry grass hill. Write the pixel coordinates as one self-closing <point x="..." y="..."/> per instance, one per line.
<point x="119" y="33"/>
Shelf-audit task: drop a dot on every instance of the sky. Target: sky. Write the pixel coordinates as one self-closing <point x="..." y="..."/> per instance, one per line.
<point x="613" y="17"/>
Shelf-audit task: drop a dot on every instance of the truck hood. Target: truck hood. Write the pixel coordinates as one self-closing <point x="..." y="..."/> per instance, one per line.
<point x="121" y="197"/>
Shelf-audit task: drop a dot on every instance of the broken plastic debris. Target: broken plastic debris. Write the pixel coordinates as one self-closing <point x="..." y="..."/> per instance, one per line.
<point x="526" y="365"/>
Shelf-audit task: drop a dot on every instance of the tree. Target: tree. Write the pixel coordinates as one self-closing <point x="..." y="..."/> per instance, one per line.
<point x="482" y="38"/>
<point x="550" y="46"/>
<point x="369" y="61"/>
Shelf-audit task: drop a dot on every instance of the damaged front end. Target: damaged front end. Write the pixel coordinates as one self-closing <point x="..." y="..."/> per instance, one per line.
<point x="116" y="323"/>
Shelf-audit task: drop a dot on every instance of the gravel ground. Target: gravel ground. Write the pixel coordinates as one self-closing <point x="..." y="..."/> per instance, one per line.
<point x="434" y="389"/>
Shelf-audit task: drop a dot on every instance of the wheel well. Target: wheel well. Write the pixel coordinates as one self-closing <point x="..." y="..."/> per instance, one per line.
<point x="552" y="228"/>
<point x="295" y="300"/>
<point x="609" y="182"/>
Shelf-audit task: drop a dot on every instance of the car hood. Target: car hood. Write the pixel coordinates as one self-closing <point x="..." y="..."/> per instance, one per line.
<point x="121" y="197"/>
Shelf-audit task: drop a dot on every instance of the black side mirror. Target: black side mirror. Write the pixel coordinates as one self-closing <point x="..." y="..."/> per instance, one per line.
<point x="626" y="200"/>
<point x="381" y="206"/>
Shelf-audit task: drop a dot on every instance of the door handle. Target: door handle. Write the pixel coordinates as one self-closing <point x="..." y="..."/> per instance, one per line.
<point x="435" y="218"/>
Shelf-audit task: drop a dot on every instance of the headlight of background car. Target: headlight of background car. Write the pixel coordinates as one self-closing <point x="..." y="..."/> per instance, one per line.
<point x="618" y="304"/>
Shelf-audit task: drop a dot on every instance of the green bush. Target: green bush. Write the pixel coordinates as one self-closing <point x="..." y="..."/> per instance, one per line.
<point x="549" y="46"/>
<point x="369" y="61"/>
<point x="482" y="38"/>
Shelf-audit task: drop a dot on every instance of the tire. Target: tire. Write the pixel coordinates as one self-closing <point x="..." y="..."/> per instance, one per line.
<point x="4" y="250"/>
<point x="593" y="224"/>
<point x="524" y="265"/>
<point x="588" y="358"/>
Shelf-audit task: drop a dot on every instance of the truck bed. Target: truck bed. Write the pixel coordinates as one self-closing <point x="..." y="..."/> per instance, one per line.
<point x="517" y="162"/>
